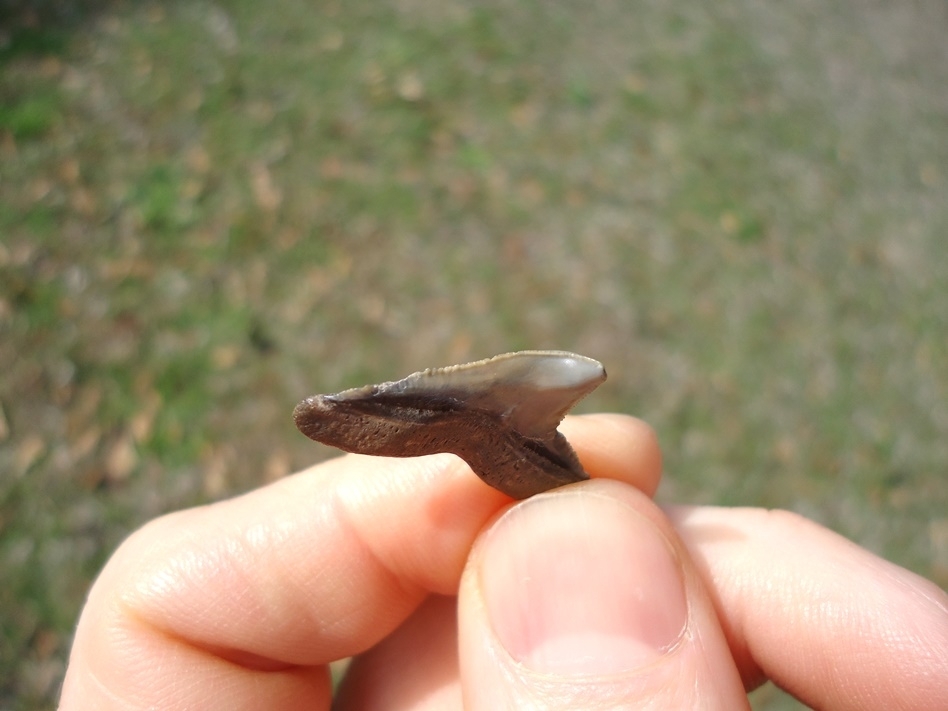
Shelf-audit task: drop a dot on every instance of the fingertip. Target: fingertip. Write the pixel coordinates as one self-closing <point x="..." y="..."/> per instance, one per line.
<point x="617" y="446"/>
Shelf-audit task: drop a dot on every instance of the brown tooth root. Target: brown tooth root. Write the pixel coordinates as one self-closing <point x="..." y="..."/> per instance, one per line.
<point x="499" y="415"/>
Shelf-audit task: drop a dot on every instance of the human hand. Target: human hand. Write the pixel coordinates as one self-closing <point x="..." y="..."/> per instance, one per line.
<point x="589" y="596"/>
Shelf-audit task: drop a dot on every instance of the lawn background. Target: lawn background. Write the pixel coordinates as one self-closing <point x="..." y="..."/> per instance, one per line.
<point x="209" y="210"/>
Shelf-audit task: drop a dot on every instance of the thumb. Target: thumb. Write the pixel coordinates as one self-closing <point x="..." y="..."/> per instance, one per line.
<point x="585" y="598"/>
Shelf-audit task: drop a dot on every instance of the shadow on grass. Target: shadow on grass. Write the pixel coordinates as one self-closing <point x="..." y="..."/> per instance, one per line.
<point x="41" y="27"/>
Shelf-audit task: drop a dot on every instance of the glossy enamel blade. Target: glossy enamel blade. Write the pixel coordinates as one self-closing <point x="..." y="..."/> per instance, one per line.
<point x="500" y="415"/>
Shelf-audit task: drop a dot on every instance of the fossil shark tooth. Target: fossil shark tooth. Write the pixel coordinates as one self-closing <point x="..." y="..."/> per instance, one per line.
<point x="499" y="415"/>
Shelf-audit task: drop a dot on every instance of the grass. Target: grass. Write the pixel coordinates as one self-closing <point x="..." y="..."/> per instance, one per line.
<point x="208" y="211"/>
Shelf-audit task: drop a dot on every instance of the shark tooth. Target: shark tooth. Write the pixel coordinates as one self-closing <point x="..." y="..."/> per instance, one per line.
<point x="499" y="415"/>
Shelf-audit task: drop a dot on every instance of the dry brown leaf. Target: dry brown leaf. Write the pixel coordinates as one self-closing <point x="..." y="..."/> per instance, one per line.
<point x="266" y="194"/>
<point x="121" y="459"/>
<point x="28" y="453"/>
<point x="277" y="466"/>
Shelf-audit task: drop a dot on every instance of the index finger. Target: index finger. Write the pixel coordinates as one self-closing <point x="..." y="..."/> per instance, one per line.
<point x="316" y="567"/>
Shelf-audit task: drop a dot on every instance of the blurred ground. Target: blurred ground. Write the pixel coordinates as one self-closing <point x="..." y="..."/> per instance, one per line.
<point x="209" y="210"/>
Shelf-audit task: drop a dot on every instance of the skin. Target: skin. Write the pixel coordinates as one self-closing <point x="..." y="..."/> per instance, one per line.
<point x="449" y="595"/>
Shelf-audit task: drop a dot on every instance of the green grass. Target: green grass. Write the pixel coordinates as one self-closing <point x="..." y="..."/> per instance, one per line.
<point x="209" y="211"/>
<point x="29" y="118"/>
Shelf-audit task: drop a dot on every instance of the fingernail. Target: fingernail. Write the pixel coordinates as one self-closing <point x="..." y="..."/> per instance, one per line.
<point x="580" y="583"/>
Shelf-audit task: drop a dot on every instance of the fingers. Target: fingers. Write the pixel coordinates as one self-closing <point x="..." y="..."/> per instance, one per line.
<point x="584" y="598"/>
<point x="416" y="667"/>
<point x="314" y="568"/>
<point x="319" y="566"/>
<point x="620" y="447"/>
<point x="831" y="623"/>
